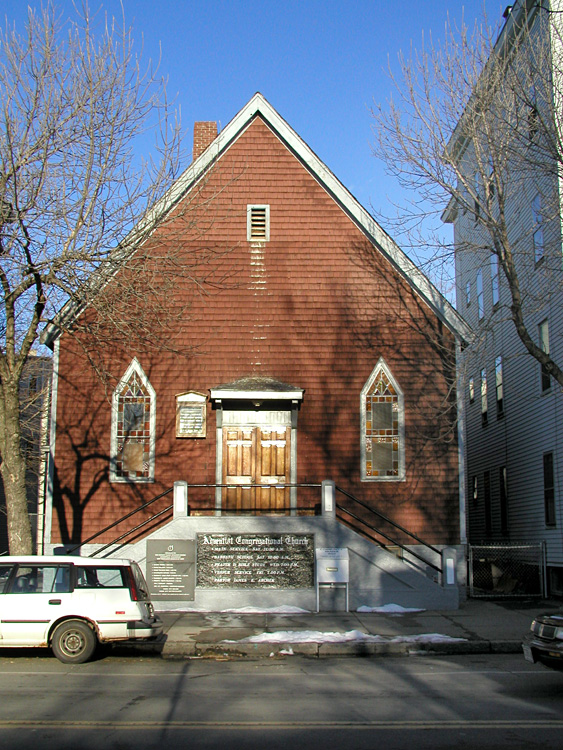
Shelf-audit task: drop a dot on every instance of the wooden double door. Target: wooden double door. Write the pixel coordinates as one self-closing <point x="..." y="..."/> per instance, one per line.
<point x="255" y="459"/>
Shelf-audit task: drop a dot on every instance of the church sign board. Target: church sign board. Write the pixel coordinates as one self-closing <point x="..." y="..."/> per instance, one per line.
<point x="277" y="561"/>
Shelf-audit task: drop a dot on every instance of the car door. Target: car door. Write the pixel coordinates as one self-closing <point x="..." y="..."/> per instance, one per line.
<point x="5" y="573"/>
<point x="35" y="596"/>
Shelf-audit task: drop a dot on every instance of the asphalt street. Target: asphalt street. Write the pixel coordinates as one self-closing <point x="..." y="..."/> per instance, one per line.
<point x="121" y="702"/>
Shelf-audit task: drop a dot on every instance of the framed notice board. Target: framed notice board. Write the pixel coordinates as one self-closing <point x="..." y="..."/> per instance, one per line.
<point x="191" y="419"/>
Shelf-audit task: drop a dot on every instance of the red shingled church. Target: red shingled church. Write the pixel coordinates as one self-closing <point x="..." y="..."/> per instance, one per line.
<point x="317" y="351"/>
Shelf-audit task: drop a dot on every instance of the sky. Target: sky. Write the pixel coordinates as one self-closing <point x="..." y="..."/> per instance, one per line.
<point x="320" y="63"/>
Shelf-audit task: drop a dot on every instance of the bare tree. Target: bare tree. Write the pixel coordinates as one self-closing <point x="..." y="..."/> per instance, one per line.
<point x="76" y="204"/>
<point x="476" y="123"/>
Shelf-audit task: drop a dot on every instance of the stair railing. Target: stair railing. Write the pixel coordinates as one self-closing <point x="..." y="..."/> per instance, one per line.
<point x="124" y="518"/>
<point x="343" y="511"/>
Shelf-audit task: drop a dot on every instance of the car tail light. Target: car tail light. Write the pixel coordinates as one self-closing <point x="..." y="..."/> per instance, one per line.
<point x="134" y="593"/>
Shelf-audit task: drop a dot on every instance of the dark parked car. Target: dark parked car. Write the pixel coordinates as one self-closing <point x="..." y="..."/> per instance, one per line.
<point x="544" y="642"/>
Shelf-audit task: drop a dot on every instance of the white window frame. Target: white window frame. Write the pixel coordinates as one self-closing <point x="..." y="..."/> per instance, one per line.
<point x="484" y="398"/>
<point x="495" y="280"/>
<point x="499" y="386"/>
<point x="480" y="297"/>
<point x="543" y="335"/>
<point x="477" y="202"/>
<point x="539" y="247"/>
<point x="491" y="177"/>
<point x="401" y="475"/>
<point x="134" y="367"/>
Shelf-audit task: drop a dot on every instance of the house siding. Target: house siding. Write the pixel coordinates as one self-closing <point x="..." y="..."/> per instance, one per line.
<point x="530" y="426"/>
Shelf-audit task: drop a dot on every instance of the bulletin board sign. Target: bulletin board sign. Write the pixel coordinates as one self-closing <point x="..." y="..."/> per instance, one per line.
<point x="191" y="415"/>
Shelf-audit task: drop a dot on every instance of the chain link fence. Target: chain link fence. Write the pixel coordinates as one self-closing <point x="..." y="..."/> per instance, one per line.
<point x="507" y="570"/>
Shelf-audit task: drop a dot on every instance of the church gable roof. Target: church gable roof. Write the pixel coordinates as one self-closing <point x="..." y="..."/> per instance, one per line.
<point x="258" y="106"/>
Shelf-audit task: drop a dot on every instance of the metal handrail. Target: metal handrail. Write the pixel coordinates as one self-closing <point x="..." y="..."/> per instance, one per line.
<point x="131" y="531"/>
<point x="398" y="526"/>
<point x="389" y="539"/>
<point x="389" y="520"/>
<point x="120" y="520"/>
<point x="342" y="509"/>
<point x="160" y="513"/>
<point x="270" y="486"/>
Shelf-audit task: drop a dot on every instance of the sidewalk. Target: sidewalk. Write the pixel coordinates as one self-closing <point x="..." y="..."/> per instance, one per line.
<point x="479" y="626"/>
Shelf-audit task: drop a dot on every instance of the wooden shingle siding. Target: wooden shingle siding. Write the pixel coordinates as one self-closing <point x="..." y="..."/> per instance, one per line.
<point x="316" y="307"/>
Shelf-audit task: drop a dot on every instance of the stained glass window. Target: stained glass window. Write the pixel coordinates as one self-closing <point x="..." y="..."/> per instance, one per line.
<point x="133" y="427"/>
<point x="382" y="425"/>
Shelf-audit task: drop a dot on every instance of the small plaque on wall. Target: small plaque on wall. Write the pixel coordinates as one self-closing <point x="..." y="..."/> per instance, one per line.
<point x="191" y="415"/>
<point x="171" y="568"/>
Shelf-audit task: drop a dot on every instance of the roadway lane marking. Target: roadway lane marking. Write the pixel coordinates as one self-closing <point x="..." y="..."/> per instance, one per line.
<point x="469" y="724"/>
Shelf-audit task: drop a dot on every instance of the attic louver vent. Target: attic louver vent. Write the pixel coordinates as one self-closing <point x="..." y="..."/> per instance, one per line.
<point x="258" y="223"/>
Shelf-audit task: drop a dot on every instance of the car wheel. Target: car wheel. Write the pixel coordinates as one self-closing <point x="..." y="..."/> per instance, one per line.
<point x="73" y="642"/>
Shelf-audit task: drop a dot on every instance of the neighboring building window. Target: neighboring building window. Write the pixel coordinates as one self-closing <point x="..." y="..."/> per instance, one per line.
<point x="487" y="499"/>
<point x="533" y="115"/>
<point x="503" y="486"/>
<point x="495" y="279"/>
<point x="491" y="178"/>
<point x="549" y="489"/>
<point x="133" y="428"/>
<point x="544" y="344"/>
<point x="475" y="490"/>
<point x="477" y="204"/>
<point x="258" y="223"/>
<point x="382" y="425"/>
<point x="471" y="390"/>
<point x="468" y="293"/>
<point x="484" y="410"/>
<point x="480" y="301"/>
<point x="538" y="228"/>
<point x="499" y="387"/>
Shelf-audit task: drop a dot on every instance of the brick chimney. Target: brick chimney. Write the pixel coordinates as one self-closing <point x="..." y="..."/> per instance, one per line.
<point x="204" y="134"/>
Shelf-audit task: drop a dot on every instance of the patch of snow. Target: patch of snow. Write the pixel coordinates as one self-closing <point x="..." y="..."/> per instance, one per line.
<point x="287" y="651"/>
<point x="393" y="609"/>
<point x="284" y="609"/>
<point x="316" y="636"/>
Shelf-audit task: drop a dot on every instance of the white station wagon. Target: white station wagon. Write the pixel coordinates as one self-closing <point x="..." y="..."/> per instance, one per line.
<point x="73" y="603"/>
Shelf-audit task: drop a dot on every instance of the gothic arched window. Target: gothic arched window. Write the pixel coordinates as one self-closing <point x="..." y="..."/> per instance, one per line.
<point x="133" y="427"/>
<point x="382" y="427"/>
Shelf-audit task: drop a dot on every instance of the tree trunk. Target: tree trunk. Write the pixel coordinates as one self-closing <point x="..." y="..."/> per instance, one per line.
<point x="13" y="470"/>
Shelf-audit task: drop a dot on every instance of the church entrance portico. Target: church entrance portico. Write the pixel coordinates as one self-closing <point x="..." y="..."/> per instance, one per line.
<point x="256" y="446"/>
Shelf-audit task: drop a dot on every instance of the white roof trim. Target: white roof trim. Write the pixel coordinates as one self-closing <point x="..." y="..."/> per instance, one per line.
<point x="217" y="394"/>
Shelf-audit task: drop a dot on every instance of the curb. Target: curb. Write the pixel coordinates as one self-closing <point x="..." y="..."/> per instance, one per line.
<point x="239" y="650"/>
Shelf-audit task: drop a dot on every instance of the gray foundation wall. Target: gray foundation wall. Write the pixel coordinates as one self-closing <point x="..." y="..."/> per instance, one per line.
<point x="376" y="576"/>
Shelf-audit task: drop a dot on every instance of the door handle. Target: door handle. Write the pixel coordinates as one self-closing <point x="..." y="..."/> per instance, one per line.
<point x="54" y="601"/>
